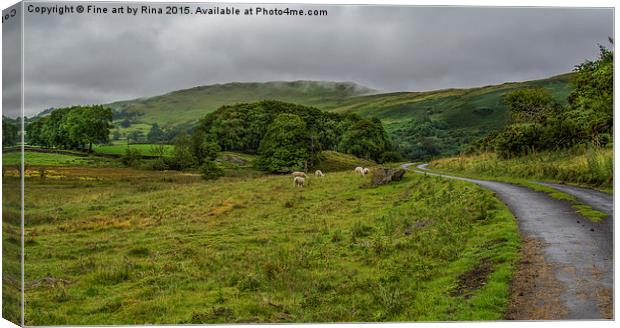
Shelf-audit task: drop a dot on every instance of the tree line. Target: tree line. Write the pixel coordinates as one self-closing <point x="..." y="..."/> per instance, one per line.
<point x="77" y="127"/>
<point x="539" y="122"/>
<point x="10" y="131"/>
<point x="290" y="137"/>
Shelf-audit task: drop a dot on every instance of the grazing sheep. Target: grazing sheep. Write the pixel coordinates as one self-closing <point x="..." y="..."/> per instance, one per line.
<point x="299" y="181"/>
<point x="299" y="174"/>
<point x="359" y="170"/>
<point x="319" y="173"/>
<point x="366" y="170"/>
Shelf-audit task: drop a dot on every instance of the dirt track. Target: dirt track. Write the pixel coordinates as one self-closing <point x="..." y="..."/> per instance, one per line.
<point x="575" y="265"/>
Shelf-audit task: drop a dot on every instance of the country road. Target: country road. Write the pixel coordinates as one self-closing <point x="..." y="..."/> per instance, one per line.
<point x="578" y="252"/>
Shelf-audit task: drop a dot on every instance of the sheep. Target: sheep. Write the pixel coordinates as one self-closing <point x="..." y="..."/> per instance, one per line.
<point x="359" y="170"/>
<point x="366" y="170"/>
<point x="319" y="173"/>
<point x="299" y="181"/>
<point x="299" y="174"/>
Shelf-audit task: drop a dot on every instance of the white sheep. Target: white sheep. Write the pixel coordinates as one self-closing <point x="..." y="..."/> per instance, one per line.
<point x="319" y="173"/>
<point x="359" y="170"/>
<point x="298" y="181"/>
<point x="299" y="174"/>
<point x="366" y="170"/>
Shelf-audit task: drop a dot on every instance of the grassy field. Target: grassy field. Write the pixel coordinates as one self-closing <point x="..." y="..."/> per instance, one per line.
<point x="121" y="246"/>
<point x="592" y="167"/>
<point x="11" y="249"/>
<point x="51" y="159"/>
<point x="335" y="161"/>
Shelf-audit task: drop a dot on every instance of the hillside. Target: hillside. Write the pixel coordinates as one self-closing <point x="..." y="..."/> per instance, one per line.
<point x="189" y="105"/>
<point x="459" y="108"/>
<point x="444" y="121"/>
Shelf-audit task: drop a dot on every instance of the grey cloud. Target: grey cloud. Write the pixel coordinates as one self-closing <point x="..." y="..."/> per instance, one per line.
<point x="82" y="59"/>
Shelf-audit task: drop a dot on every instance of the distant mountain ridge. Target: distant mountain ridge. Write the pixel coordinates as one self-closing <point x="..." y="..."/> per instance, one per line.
<point x="191" y="104"/>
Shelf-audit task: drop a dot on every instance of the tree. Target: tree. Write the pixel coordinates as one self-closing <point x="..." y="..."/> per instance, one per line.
<point x="530" y="105"/>
<point x="365" y="139"/>
<point x="10" y="133"/>
<point x="182" y="156"/>
<point x="156" y="134"/>
<point x="135" y="136"/>
<point x="204" y="147"/>
<point x="284" y="147"/>
<point x="242" y="127"/>
<point x="593" y="93"/>
<point x="73" y="127"/>
<point x="88" y="125"/>
<point x="211" y="170"/>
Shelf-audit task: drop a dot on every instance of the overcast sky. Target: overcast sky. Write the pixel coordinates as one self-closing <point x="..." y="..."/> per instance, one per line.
<point x="82" y="59"/>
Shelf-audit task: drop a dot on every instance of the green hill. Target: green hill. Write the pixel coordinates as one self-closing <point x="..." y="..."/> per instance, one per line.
<point x="479" y="107"/>
<point x="189" y="105"/>
<point x="454" y="117"/>
<point x="459" y="108"/>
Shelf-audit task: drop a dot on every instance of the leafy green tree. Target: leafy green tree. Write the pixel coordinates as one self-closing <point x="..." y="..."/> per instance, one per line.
<point x="284" y="147"/>
<point x="73" y="127"/>
<point x="211" y="170"/>
<point x="203" y="146"/>
<point x="593" y="93"/>
<point x="136" y="136"/>
<point x="156" y="134"/>
<point x="518" y="139"/>
<point x="365" y="139"/>
<point x="182" y="156"/>
<point x="530" y="105"/>
<point x="242" y="127"/>
<point x="88" y="125"/>
<point x="10" y="133"/>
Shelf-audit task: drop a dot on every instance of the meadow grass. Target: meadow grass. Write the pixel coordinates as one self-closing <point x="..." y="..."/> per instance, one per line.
<point x="123" y="246"/>
<point x="52" y="159"/>
<point x="119" y="148"/>
<point x="11" y="250"/>
<point x="592" y="167"/>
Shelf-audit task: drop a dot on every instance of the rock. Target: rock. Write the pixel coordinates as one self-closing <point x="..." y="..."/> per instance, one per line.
<point x="384" y="175"/>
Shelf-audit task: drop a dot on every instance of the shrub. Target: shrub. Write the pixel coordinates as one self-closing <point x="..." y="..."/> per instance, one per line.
<point x="158" y="164"/>
<point x="131" y="158"/>
<point x="518" y="139"/>
<point x="182" y="156"/>
<point x="211" y="170"/>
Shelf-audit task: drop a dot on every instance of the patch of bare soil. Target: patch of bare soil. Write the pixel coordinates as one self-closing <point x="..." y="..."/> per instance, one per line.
<point x="473" y="279"/>
<point x="535" y="292"/>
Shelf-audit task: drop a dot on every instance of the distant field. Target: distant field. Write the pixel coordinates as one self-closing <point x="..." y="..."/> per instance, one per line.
<point x="116" y="245"/>
<point x="51" y="159"/>
<point x="120" y="149"/>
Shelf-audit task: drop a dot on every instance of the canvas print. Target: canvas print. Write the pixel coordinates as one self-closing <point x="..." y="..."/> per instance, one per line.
<point x="203" y="163"/>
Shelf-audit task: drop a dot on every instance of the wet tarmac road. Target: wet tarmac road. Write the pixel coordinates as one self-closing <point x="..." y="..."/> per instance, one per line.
<point x="580" y="251"/>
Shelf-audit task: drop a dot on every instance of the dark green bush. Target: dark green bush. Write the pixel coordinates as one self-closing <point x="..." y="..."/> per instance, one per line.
<point x="131" y="158"/>
<point x="211" y="170"/>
